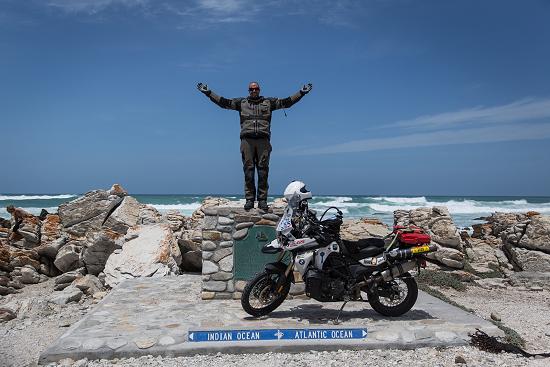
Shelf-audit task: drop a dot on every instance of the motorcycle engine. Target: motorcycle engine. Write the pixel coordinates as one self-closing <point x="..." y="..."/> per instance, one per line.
<point x="322" y="287"/>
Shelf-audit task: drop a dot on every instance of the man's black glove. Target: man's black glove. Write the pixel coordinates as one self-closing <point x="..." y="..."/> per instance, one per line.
<point x="306" y="88"/>
<point x="203" y="88"/>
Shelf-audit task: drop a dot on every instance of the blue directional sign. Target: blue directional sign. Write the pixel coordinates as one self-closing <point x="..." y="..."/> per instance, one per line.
<point x="275" y="334"/>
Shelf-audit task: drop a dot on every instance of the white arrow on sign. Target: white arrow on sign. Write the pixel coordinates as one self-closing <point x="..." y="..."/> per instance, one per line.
<point x="364" y="333"/>
<point x="191" y="336"/>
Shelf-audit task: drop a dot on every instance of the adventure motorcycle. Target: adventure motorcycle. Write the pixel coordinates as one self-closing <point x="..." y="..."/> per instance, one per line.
<point x="336" y="270"/>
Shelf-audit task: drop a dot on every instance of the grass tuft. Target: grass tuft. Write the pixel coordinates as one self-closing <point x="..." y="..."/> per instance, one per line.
<point x="440" y="279"/>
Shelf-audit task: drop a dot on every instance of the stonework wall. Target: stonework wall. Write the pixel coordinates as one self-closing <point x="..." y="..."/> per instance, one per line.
<point x="221" y="227"/>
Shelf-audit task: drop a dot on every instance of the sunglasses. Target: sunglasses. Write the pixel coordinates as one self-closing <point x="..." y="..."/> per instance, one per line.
<point x="253" y="89"/>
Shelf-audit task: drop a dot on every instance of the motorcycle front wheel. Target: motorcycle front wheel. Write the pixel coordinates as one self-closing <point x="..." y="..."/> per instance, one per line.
<point x="395" y="297"/>
<point x="260" y="296"/>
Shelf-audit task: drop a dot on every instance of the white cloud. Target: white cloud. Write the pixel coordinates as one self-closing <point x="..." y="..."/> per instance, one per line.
<point x="522" y="110"/>
<point x="92" y="6"/>
<point x="488" y="134"/>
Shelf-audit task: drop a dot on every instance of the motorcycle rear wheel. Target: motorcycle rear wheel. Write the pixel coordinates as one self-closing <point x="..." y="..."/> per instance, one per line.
<point x="398" y="302"/>
<point x="260" y="297"/>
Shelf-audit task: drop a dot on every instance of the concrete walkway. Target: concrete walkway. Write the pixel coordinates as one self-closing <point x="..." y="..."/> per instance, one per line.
<point x="155" y="316"/>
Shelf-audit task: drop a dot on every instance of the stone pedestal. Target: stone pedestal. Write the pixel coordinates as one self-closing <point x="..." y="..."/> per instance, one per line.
<point x="223" y="226"/>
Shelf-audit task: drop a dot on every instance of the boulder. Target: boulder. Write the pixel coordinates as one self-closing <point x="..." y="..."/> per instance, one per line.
<point x="355" y="229"/>
<point x="68" y="257"/>
<point x="154" y="253"/>
<point x="148" y="215"/>
<point x="484" y="256"/>
<point x="50" y="249"/>
<point x="64" y="280"/>
<point x="528" y="260"/>
<point x="98" y="247"/>
<point x="22" y="257"/>
<point x="51" y="230"/>
<point x="47" y="267"/>
<point x="448" y="256"/>
<point x="87" y="212"/>
<point x="6" y="314"/>
<point x="126" y="215"/>
<point x="537" y="234"/>
<point x="89" y="284"/>
<point x="29" y="232"/>
<point x="67" y="295"/>
<point x="502" y="221"/>
<point x="191" y="261"/>
<point x="117" y="190"/>
<point x="174" y="219"/>
<point x="438" y="223"/>
<point x="29" y="275"/>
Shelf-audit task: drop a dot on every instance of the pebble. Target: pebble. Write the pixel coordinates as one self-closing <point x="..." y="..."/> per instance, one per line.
<point x="145" y="342"/>
<point x="460" y="360"/>
<point x="495" y="316"/>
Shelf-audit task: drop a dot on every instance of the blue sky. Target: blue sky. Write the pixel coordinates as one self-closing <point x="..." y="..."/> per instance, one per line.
<point x="409" y="98"/>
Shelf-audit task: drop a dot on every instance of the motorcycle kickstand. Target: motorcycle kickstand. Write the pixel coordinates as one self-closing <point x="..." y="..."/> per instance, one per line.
<point x="337" y="321"/>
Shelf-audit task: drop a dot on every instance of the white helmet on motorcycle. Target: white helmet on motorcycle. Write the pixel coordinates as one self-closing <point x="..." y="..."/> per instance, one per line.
<point x="295" y="192"/>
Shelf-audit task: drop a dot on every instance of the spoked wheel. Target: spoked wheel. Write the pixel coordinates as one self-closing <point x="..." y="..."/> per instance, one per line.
<point x="260" y="295"/>
<point x="395" y="297"/>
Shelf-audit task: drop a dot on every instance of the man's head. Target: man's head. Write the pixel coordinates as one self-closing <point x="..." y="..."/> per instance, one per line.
<point x="254" y="89"/>
<point x="10" y="209"/>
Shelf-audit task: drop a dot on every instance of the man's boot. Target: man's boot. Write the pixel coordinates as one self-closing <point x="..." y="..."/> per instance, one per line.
<point x="249" y="205"/>
<point x="262" y="204"/>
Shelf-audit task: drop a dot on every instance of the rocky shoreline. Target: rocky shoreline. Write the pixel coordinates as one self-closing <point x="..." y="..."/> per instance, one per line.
<point x="61" y="264"/>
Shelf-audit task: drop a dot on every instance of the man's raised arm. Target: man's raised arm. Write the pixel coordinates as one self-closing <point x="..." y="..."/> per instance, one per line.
<point x="278" y="103"/>
<point x="230" y="104"/>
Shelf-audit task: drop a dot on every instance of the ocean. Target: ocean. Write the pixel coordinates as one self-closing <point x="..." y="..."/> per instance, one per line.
<point x="464" y="209"/>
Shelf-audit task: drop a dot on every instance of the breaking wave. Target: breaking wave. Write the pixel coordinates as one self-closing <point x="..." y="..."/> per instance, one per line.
<point x="36" y="197"/>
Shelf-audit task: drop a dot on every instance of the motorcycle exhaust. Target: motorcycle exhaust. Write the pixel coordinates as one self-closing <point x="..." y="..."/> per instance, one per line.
<point x="409" y="253"/>
<point x="389" y="274"/>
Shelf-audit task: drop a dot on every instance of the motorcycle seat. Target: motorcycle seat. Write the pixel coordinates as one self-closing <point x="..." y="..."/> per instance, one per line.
<point x="365" y="247"/>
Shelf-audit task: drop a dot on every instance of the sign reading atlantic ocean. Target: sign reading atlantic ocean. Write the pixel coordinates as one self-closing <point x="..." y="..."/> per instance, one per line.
<point x="275" y="334"/>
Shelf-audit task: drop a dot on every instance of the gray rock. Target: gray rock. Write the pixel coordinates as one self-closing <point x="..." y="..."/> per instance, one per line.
<point x="537" y="234"/>
<point x="126" y="215"/>
<point x="68" y="257"/>
<point x="221" y="253"/>
<point x="244" y="225"/>
<point x="226" y="264"/>
<point x="208" y="267"/>
<point x="208" y="246"/>
<point x="87" y="212"/>
<point x="272" y="217"/>
<point x="224" y="221"/>
<point x="6" y="314"/>
<point x="145" y="342"/>
<point x="69" y="294"/>
<point x="155" y="253"/>
<point x="68" y="277"/>
<point x="51" y="248"/>
<point x="214" y="286"/>
<point x="221" y="275"/>
<point x="89" y="284"/>
<point x="495" y="316"/>
<point x="149" y="215"/>
<point x="226" y="244"/>
<point x="528" y="260"/>
<point x="240" y="234"/>
<point x="29" y="275"/>
<point x="98" y="247"/>
<point x="191" y="261"/>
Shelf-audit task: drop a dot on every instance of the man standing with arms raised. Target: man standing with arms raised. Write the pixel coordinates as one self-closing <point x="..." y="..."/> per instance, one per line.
<point x="255" y="115"/>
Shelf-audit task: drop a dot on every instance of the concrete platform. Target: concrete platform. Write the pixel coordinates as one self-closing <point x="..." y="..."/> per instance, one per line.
<point x="155" y="316"/>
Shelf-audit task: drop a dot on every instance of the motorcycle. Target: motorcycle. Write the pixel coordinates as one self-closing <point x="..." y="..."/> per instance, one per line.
<point x="336" y="270"/>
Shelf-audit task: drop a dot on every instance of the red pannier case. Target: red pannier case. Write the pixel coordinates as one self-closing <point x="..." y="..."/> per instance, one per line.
<point x="411" y="235"/>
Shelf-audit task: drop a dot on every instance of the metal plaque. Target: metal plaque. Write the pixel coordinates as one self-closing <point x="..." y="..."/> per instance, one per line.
<point x="248" y="258"/>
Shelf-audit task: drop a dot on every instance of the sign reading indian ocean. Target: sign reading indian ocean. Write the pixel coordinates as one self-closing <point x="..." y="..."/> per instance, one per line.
<point x="275" y="334"/>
